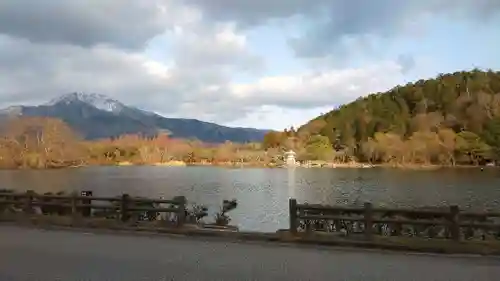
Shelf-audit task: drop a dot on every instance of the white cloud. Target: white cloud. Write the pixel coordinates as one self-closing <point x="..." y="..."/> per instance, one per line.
<point x="39" y="71"/>
<point x="217" y="46"/>
<point x="36" y="67"/>
<point x="100" y="46"/>
<point x="121" y="23"/>
<point x="333" y="22"/>
<point x="319" y="89"/>
<point x="279" y="118"/>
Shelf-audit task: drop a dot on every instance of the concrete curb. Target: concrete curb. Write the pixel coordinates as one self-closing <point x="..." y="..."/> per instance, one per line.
<point x="280" y="237"/>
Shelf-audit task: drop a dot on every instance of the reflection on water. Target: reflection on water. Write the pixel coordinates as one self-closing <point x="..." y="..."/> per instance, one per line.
<point x="263" y="193"/>
<point x="291" y="183"/>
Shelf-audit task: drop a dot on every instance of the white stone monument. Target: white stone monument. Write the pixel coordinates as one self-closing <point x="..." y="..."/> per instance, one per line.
<point x="290" y="158"/>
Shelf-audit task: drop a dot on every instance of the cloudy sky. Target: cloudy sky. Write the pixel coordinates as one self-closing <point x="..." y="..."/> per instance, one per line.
<point x="257" y="63"/>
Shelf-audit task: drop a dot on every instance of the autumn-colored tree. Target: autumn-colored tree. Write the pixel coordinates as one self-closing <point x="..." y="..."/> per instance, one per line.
<point x="423" y="147"/>
<point x="390" y="147"/>
<point x="274" y="139"/>
<point x="448" y="146"/>
<point x="41" y="143"/>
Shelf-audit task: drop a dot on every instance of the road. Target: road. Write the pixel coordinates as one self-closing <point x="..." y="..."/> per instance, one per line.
<point x="31" y="254"/>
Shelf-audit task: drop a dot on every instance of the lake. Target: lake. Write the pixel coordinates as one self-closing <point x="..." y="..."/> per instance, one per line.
<point x="263" y="194"/>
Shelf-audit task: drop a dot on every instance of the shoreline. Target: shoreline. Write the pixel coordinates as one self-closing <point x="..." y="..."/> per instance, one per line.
<point x="326" y="165"/>
<point x="232" y="165"/>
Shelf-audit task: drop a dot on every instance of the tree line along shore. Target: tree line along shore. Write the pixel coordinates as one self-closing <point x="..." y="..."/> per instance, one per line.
<point x="451" y="120"/>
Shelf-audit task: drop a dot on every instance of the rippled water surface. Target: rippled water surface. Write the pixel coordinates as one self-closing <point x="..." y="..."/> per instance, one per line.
<point x="263" y="193"/>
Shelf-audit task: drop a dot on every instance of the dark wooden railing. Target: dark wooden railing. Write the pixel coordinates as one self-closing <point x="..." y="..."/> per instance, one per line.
<point x="124" y="208"/>
<point x="368" y="222"/>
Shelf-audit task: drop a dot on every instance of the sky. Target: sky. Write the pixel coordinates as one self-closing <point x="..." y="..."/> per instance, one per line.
<point x="262" y="64"/>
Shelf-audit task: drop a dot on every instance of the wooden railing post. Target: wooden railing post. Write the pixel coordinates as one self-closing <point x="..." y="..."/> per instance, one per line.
<point x="292" y="203"/>
<point x="181" y="211"/>
<point x="124" y="207"/>
<point x="28" y="202"/>
<point x="86" y="210"/>
<point x="454" y="223"/>
<point x="74" y="205"/>
<point x="368" y="220"/>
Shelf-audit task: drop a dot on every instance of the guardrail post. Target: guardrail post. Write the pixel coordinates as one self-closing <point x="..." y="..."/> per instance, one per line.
<point x="368" y="220"/>
<point x="454" y="223"/>
<point x="181" y="211"/>
<point x="292" y="203"/>
<point x="124" y="207"/>
<point x="28" y="202"/>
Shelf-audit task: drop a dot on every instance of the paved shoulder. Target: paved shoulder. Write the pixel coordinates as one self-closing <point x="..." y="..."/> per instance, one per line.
<point x="30" y="254"/>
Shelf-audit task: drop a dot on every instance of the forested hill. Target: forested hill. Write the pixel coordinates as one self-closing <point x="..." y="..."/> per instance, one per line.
<point x="453" y="117"/>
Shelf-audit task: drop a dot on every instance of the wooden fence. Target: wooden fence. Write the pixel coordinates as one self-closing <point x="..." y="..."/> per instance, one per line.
<point x="124" y="208"/>
<point x="368" y="222"/>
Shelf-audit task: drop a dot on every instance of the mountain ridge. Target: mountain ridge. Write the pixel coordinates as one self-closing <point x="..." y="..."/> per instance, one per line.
<point x="96" y="116"/>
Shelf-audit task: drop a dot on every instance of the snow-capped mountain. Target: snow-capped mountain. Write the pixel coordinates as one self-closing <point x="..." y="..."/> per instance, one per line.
<point x="12" y="110"/>
<point x="97" y="116"/>
<point x="98" y="101"/>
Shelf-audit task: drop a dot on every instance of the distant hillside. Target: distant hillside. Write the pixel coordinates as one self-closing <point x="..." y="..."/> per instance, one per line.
<point x="97" y="116"/>
<point x="453" y="116"/>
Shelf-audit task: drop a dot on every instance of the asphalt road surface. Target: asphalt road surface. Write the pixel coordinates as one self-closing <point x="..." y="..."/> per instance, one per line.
<point x="31" y="254"/>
